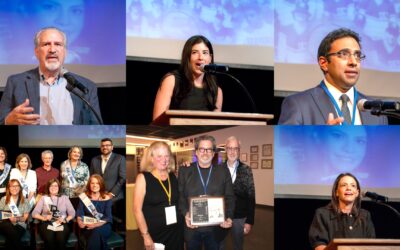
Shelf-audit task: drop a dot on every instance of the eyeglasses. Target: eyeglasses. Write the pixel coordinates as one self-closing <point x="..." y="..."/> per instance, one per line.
<point x="208" y="150"/>
<point x="235" y="149"/>
<point x="14" y="186"/>
<point x="345" y="54"/>
<point x="106" y="145"/>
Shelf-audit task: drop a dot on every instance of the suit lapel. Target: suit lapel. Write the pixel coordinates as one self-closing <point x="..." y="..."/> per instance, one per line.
<point x="32" y="89"/>
<point x="323" y="103"/>
<point x="108" y="163"/>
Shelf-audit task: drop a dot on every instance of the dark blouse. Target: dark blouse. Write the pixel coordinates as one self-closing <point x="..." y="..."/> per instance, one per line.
<point x="327" y="225"/>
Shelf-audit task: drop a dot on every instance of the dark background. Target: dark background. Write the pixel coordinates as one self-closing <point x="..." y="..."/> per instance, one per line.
<point x="293" y="218"/>
<point x="143" y="81"/>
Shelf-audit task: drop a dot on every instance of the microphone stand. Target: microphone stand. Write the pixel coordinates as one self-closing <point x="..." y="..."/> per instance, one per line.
<point x="71" y="88"/>
<point x="377" y="111"/>
<point x="388" y="206"/>
<point x="242" y="86"/>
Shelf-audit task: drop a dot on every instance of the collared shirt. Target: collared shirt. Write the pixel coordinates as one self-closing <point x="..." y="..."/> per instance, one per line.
<point x="56" y="107"/>
<point x="350" y="93"/>
<point x="104" y="160"/>
<point x="232" y="170"/>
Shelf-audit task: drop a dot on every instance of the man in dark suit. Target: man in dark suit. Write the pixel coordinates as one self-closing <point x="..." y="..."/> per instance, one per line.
<point x="243" y="187"/>
<point x="334" y="100"/>
<point x="111" y="167"/>
<point x="39" y="96"/>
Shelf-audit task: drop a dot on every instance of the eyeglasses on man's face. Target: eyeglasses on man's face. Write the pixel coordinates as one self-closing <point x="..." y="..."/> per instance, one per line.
<point x="232" y="149"/>
<point x="207" y="150"/>
<point x="346" y="53"/>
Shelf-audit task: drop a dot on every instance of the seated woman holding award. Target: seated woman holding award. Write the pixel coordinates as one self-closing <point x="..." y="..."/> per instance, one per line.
<point x="343" y="217"/>
<point x="15" y="212"/>
<point x="94" y="214"/>
<point x="54" y="211"/>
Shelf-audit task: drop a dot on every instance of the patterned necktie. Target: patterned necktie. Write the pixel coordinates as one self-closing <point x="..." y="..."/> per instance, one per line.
<point x="345" y="109"/>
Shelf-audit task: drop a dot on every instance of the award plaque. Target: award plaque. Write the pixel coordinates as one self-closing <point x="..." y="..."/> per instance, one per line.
<point x="207" y="210"/>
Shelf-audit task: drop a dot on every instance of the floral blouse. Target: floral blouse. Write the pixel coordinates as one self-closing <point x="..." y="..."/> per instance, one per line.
<point x="81" y="175"/>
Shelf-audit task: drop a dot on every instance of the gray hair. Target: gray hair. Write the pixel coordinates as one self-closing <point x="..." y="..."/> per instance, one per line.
<point x="47" y="152"/>
<point x="39" y="33"/>
<point x="232" y="138"/>
<point x="205" y="138"/>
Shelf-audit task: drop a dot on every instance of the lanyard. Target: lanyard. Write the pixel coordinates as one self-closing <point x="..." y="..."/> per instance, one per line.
<point x="201" y="178"/>
<point x="337" y="106"/>
<point x="169" y="192"/>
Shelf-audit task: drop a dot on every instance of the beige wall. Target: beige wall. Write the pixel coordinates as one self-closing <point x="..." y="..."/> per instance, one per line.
<point x="250" y="136"/>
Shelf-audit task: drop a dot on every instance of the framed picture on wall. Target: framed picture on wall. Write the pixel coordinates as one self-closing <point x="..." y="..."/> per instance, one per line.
<point x="253" y="149"/>
<point x="253" y="164"/>
<point x="253" y="157"/>
<point x="267" y="163"/>
<point x="186" y="142"/>
<point x="243" y="157"/>
<point x="267" y="150"/>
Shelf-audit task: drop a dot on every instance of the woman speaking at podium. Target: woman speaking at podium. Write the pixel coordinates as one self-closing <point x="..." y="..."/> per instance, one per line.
<point x="189" y="88"/>
<point x="343" y="217"/>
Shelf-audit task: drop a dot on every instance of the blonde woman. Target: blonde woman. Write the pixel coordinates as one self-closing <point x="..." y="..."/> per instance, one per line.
<point x="156" y="194"/>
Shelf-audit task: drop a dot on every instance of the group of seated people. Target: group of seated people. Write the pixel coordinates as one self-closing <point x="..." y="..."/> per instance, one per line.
<point x="55" y="201"/>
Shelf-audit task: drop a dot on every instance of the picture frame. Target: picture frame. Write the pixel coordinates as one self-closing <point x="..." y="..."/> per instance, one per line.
<point x="267" y="164"/>
<point x="254" y="149"/>
<point x="267" y="150"/>
<point x="253" y="165"/>
<point x="253" y="157"/>
<point x="243" y="157"/>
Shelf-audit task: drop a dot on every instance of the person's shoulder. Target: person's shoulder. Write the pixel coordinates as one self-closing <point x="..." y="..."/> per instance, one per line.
<point x="86" y="81"/>
<point x="305" y="93"/>
<point x="32" y="73"/>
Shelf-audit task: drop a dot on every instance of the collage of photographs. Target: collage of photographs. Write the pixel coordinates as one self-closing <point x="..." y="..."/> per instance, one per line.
<point x="200" y="125"/>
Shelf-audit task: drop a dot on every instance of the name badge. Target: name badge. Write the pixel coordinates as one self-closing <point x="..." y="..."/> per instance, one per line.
<point x="170" y="215"/>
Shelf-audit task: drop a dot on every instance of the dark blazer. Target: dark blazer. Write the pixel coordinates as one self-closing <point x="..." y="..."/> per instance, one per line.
<point x="311" y="107"/>
<point x="245" y="195"/>
<point x="114" y="175"/>
<point x="26" y="86"/>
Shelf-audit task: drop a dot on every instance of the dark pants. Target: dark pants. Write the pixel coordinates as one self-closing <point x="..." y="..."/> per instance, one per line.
<point x="13" y="234"/>
<point x="199" y="238"/>
<point x="96" y="239"/>
<point x="237" y="235"/>
<point x="54" y="240"/>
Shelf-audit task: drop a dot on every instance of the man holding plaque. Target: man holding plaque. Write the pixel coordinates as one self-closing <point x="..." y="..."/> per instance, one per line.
<point x="243" y="187"/>
<point x="206" y="198"/>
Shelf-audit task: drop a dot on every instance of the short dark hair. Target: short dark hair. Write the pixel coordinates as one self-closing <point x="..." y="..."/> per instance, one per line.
<point x="205" y="138"/>
<point x="106" y="139"/>
<point x="325" y="45"/>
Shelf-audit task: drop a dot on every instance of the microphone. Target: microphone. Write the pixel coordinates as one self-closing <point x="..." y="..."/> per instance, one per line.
<point x="375" y="196"/>
<point x="211" y="68"/>
<point x="73" y="81"/>
<point x="380" y="105"/>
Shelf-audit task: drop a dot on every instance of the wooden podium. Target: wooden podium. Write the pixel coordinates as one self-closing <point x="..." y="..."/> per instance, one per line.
<point x="364" y="244"/>
<point x="195" y="117"/>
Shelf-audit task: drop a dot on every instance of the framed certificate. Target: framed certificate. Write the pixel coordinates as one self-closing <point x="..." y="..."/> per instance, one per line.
<point x="207" y="210"/>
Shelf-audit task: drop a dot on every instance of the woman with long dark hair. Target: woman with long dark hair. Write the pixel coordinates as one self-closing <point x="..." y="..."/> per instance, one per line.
<point x="189" y="88"/>
<point x="343" y="217"/>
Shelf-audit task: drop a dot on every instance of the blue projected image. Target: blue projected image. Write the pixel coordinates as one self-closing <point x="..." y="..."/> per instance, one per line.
<point x="316" y="155"/>
<point x="227" y="22"/>
<point x="301" y="25"/>
<point x="86" y="23"/>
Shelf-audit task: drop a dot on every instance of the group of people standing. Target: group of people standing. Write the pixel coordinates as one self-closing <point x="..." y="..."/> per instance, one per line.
<point x="56" y="197"/>
<point x="161" y="200"/>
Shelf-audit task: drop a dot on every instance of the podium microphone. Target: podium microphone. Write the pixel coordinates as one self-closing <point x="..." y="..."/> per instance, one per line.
<point x="375" y="197"/>
<point x="73" y="81"/>
<point x="210" y="68"/>
<point x="380" y="105"/>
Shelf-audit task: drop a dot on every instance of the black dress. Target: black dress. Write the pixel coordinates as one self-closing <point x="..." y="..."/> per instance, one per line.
<point x="154" y="204"/>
